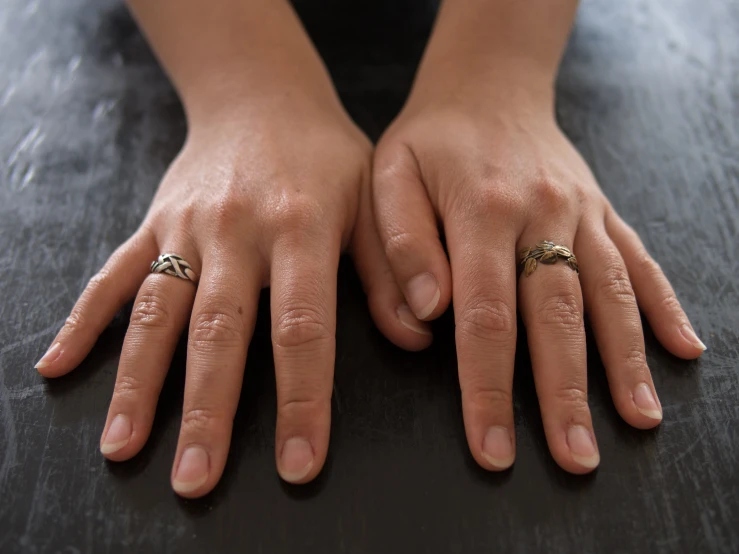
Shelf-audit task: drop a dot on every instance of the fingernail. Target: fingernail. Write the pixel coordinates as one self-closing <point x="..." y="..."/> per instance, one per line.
<point x="582" y="447"/>
<point x="497" y="447"/>
<point x="118" y="435"/>
<point x="192" y="471"/>
<point x="296" y="459"/>
<point x="408" y="320"/>
<point x="423" y="294"/>
<point x="645" y="402"/>
<point x="51" y="355"/>
<point x="687" y="332"/>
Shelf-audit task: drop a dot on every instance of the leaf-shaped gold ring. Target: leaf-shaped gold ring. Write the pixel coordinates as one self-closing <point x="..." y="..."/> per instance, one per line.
<point x="545" y="252"/>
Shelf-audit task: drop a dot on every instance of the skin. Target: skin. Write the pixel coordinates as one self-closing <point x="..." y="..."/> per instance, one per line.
<point x="274" y="181"/>
<point x="477" y="152"/>
<point x="270" y="186"/>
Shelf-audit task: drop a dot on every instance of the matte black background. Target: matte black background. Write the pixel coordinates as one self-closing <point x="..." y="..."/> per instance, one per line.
<point x="649" y="92"/>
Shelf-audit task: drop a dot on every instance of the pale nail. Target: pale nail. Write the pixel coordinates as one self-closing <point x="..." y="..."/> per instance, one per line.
<point x="582" y="447"/>
<point x="192" y="471"/>
<point x="296" y="459"/>
<point x="408" y="320"/>
<point x="689" y="335"/>
<point x="51" y="355"/>
<point x="646" y="403"/>
<point x="423" y="293"/>
<point x="497" y="447"/>
<point x="118" y="435"/>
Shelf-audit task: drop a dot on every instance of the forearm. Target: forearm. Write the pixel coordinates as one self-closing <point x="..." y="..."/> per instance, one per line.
<point x="221" y="53"/>
<point x="492" y="44"/>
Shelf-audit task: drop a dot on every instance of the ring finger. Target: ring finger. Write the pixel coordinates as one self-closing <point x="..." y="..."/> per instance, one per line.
<point x="552" y="310"/>
<point x="159" y="315"/>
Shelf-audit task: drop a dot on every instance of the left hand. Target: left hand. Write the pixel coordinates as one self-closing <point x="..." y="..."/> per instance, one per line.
<point x="501" y="177"/>
<point x="264" y="195"/>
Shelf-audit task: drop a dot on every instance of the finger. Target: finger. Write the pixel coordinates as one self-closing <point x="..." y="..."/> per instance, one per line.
<point x="615" y="319"/>
<point x="484" y="270"/>
<point x="159" y="315"/>
<point x="303" y="306"/>
<point x="106" y="293"/>
<point x="551" y="307"/>
<point x="221" y="327"/>
<point x="654" y="293"/>
<point x="407" y="227"/>
<point x="388" y="307"/>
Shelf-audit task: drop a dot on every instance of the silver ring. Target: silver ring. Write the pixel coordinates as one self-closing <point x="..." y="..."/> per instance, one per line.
<point x="172" y="264"/>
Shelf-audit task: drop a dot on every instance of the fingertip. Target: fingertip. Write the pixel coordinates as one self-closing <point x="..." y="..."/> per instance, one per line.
<point x="49" y="365"/>
<point x="50" y="372"/>
<point x="498" y="450"/>
<point x="192" y="473"/>
<point x="583" y="450"/>
<point x="575" y="449"/>
<point x="119" y="442"/>
<point x="296" y="463"/>
<point x="423" y="294"/>
<point x="693" y="346"/>
<point x="679" y="339"/>
<point x="396" y="321"/>
<point x="409" y="321"/>
<point x="414" y="335"/>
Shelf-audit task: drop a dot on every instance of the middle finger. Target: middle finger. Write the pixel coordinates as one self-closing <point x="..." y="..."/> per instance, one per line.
<point x="220" y="331"/>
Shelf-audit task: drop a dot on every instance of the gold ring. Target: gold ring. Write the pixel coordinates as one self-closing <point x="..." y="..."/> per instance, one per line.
<point x="545" y="252"/>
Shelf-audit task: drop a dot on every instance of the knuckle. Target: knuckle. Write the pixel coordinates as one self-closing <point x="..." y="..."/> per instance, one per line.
<point x="128" y="385"/>
<point x="670" y="303"/>
<point x="635" y="357"/>
<point x="75" y="322"/>
<point x="615" y="285"/>
<point x="301" y="407"/>
<point x="484" y="396"/>
<point x="216" y="326"/>
<point x="149" y="311"/>
<point x="228" y="210"/>
<point x="100" y="281"/>
<point x="296" y="213"/>
<point x="202" y="419"/>
<point x="647" y="265"/>
<point x="561" y="310"/>
<point x="491" y="199"/>
<point x="300" y="326"/>
<point x="572" y="395"/>
<point x="187" y="214"/>
<point x="399" y="244"/>
<point x="551" y="195"/>
<point x="486" y="318"/>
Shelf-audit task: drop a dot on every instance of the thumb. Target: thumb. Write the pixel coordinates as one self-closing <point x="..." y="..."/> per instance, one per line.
<point x="408" y="230"/>
<point x="389" y="310"/>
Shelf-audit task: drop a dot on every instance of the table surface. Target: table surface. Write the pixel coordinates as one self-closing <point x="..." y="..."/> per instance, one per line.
<point x="648" y="91"/>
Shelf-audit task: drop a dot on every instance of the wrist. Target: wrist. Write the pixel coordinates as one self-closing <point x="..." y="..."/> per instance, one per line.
<point x="492" y="52"/>
<point x="238" y="95"/>
<point x="495" y="87"/>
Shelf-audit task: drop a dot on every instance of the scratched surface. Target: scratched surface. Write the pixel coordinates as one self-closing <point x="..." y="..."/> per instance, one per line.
<point x="649" y="91"/>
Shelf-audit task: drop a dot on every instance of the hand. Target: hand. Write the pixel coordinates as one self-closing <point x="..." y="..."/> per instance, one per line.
<point x="268" y="199"/>
<point x="501" y="177"/>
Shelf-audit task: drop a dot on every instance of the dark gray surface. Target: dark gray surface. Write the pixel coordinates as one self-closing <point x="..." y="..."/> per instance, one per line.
<point x="649" y="92"/>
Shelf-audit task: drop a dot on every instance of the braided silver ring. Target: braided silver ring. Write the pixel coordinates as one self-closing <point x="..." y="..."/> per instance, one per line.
<point x="172" y="264"/>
